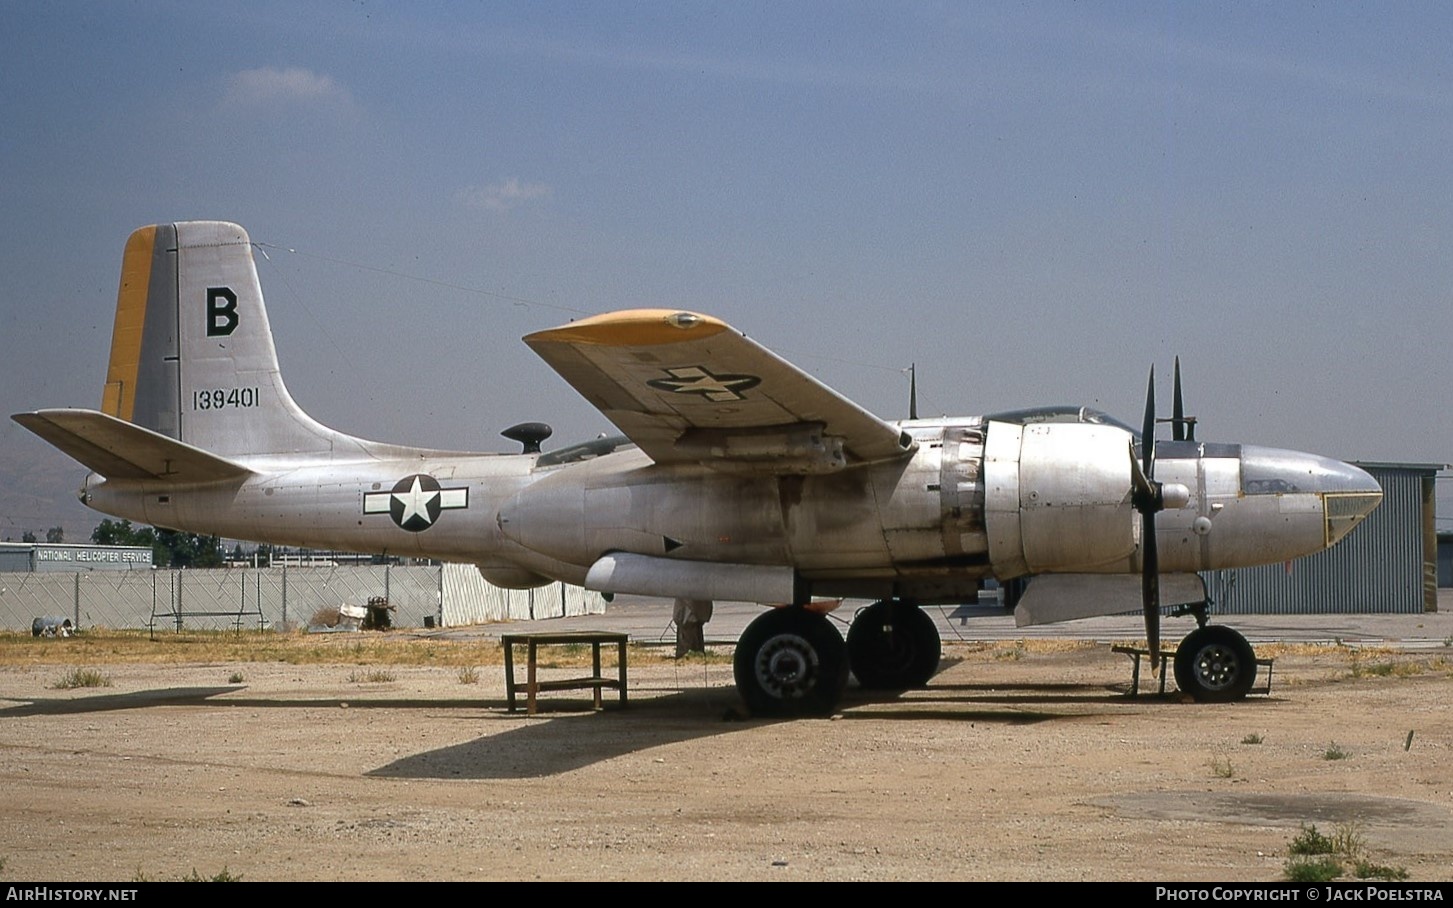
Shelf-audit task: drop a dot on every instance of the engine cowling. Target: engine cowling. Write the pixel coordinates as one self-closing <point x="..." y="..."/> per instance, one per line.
<point x="1057" y="497"/>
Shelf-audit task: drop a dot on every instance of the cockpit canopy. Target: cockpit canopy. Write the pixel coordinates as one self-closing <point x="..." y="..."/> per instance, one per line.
<point x="1060" y="413"/>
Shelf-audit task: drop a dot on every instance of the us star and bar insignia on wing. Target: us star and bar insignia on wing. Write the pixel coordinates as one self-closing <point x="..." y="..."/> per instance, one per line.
<point x="698" y="380"/>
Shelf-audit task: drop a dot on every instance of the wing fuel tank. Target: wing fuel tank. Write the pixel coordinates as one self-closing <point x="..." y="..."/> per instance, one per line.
<point x="643" y="575"/>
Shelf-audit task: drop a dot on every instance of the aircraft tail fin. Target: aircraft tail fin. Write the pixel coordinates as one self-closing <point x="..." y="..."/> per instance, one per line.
<point x="192" y="356"/>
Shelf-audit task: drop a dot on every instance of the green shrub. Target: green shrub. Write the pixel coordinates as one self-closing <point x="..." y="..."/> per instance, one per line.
<point x="1310" y="841"/>
<point x="82" y="677"/>
<point x="1319" y="869"/>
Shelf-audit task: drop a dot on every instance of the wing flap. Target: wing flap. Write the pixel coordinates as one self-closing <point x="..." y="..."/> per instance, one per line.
<point x="689" y="388"/>
<point x="119" y="450"/>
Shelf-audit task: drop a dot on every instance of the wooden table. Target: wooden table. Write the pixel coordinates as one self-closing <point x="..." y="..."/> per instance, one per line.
<point x="595" y="682"/>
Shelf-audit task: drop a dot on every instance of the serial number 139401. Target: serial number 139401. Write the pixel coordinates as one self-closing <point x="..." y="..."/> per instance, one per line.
<point x="222" y="398"/>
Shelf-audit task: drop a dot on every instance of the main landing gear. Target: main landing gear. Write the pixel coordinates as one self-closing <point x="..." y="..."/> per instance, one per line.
<point x="893" y="645"/>
<point x="791" y="662"/>
<point x="794" y="662"/>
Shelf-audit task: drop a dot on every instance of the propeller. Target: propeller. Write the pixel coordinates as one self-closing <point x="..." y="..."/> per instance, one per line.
<point x="1147" y="500"/>
<point x="913" y="391"/>
<point x="1150" y="498"/>
<point x="1183" y="428"/>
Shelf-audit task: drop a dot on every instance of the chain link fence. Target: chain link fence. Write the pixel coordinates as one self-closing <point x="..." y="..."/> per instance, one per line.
<point x="278" y="598"/>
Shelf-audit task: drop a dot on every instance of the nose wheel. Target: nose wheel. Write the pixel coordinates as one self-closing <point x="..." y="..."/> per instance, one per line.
<point x="1215" y="664"/>
<point x="791" y="662"/>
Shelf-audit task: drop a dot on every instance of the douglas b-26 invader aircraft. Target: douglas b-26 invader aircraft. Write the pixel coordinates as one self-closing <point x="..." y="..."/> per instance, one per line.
<point x="739" y="477"/>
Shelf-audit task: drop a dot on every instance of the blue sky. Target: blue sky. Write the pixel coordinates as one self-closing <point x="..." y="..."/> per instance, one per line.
<point x="1033" y="202"/>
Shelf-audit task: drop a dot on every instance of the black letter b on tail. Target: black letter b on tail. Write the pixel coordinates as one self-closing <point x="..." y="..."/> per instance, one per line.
<point x="221" y="311"/>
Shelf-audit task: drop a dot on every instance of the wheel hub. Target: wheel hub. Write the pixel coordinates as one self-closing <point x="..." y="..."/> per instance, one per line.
<point x="787" y="666"/>
<point x="1216" y="667"/>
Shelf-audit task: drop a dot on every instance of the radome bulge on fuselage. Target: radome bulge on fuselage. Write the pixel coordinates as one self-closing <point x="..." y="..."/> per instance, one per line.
<point x="738" y="477"/>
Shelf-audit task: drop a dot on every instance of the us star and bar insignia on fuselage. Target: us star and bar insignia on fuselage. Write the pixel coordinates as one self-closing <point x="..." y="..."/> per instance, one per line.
<point x="415" y="502"/>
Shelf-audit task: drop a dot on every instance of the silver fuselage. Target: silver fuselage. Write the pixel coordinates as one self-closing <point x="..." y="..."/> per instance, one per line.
<point x="975" y="498"/>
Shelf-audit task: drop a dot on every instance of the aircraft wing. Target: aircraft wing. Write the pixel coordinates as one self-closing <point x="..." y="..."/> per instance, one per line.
<point x="118" y="449"/>
<point x="690" y="388"/>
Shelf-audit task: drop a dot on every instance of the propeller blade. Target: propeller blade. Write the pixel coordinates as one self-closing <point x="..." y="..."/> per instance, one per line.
<point x="1148" y="500"/>
<point x="1147" y="431"/>
<point x="1150" y="590"/>
<point x="913" y="391"/>
<point x="1141" y="488"/>
<point x="1178" y="411"/>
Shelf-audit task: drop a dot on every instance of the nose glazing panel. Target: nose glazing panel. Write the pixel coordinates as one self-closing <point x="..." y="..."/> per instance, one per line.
<point x="1348" y="493"/>
<point x="1346" y="510"/>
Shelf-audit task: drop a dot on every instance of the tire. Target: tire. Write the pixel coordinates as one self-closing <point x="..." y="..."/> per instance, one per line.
<point x="1215" y="664"/>
<point x="791" y="662"/>
<point x="893" y="645"/>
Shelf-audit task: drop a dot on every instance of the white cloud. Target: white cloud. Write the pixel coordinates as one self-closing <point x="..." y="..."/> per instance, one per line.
<point x="502" y="196"/>
<point x="290" y="85"/>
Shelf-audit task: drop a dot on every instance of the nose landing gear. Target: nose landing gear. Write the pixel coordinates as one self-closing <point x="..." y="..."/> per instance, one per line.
<point x="1215" y="664"/>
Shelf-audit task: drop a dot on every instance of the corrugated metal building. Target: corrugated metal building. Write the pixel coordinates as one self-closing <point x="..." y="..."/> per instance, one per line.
<point x="1445" y="560"/>
<point x="1387" y="565"/>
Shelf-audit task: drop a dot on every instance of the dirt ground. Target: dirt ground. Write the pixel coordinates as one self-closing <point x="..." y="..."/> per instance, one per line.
<point x="1017" y="763"/>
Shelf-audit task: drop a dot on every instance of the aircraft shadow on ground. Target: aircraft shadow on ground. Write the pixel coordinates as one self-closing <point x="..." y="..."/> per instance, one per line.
<point x="99" y="703"/>
<point x="556" y="741"/>
<point x="204" y="696"/>
<point x="1015" y="704"/>
<point x="566" y="734"/>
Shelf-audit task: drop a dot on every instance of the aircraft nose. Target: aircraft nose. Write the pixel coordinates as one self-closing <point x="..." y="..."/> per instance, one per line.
<point x="1348" y="493"/>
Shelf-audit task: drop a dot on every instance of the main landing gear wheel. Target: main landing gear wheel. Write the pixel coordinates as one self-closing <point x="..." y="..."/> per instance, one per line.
<point x="893" y="645"/>
<point x="791" y="662"/>
<point x="1215" y="664"/>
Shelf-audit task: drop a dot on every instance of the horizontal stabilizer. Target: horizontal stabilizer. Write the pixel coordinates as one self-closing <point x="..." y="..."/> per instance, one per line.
<point x="119" y="450"/>
<point x="1065" y="597"/>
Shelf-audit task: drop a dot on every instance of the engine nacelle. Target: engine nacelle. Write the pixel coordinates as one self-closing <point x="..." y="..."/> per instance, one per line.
<point x="1057" y="497"/>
